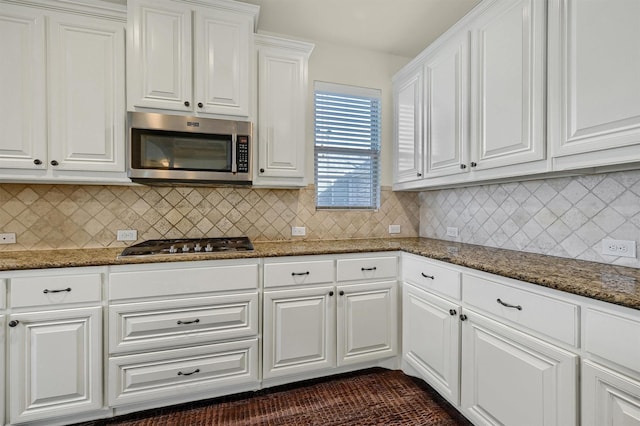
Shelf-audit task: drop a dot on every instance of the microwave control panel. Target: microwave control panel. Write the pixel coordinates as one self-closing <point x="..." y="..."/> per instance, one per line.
<point x="242" y="154"/>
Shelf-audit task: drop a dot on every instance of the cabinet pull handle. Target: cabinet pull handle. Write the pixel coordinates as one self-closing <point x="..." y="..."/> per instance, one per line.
<point x="293" y="274"/>
<point x="180" y="373"/>
<point x="368" y="269"/>
<point x="330" y="293"/>
<point x="54" y="163"/>
<point x="13" y="323"/>
<point x="463" y="317"/>
<point x="508" y="305"/>
<point x="428" y="276"/>
<point x="195" y="321"/>
<point x="452" y="312"/>
<point x="46" y="290"/>
<point x="37" y="162"/>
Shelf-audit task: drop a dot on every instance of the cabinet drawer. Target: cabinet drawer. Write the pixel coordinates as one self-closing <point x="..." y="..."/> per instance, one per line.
<point x="552" y="317"/>
<point x="157" y="325"/>
<point x="613" y="337"/>
<point x="202" y="370"/>
<point x="431" y="276"/>
<point x="298" y="273"/>
<point x="54" y="290"/>
<point x="182" y="281"/>
<point x="367" y="269"/>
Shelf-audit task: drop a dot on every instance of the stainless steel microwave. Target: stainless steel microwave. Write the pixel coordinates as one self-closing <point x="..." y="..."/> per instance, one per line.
<point x="174" y="149"/>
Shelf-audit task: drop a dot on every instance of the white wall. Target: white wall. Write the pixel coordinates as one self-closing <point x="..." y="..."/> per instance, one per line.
<point x="357" y="67"/>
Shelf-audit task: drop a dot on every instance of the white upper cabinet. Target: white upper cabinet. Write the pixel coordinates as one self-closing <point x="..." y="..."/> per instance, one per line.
<point x="446" y="74"/>
<point x="508" y="49"/>
<point x="408" y="100"/>
<point x="282" y="102"/>
<point x="189" y="58"/>
<point x="64" y="94"/>
<point x="22" y="105"/>
<point x="594" y="89"/>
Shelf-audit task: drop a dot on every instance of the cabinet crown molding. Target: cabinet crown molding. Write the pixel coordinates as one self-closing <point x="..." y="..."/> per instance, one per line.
<point x="96" y="8"/>
<point x="274" y="41"/>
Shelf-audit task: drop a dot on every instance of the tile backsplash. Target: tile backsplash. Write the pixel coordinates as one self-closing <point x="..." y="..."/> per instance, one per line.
<point x="566" y="217"/>
<point x="88" y="216"/>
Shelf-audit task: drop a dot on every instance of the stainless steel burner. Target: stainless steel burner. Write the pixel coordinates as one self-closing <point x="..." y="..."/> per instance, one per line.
<point x="188" y="246"/>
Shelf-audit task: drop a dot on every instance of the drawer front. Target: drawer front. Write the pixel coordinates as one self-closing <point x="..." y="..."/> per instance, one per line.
<point x="55" y="290"/>
<point x="202" y="370"/>
<point x="367" y="269"/>
<point x="554" y="318"/>
<point x="298" y="273"/>
<point x="431" y="276"/>
<point x="613" y="337"/>
<point x="182" y="281"/>
<point x="157" y="325"/>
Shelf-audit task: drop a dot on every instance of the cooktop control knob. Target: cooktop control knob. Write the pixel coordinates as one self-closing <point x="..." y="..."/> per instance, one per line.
<point x="185" y="248"/>
<point x="197" y="247"/>
<point x="209" y="247"/>
<point x="173" y="249"/>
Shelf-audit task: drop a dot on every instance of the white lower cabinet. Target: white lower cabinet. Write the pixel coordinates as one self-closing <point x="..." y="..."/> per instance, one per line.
<point x="2" y="352"/>
<point x="55" y="363"/>
<point x="608" y="397"/>
<point x="431" y="340"/>
<point x="311" y="326"/>
<point x="511" y="378"/>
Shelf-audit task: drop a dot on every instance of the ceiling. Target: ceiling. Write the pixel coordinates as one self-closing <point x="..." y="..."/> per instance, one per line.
<point x="399" y="27"/>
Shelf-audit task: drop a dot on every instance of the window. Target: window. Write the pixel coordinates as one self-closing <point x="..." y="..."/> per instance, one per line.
<point x="347" y="147"/>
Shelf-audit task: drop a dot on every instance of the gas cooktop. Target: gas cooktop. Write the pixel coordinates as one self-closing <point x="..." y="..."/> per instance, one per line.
<point x="188" y="246"/>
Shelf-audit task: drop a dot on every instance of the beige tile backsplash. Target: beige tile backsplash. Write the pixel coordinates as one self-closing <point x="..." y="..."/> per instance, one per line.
<point x="88" y="216"/>
<point x="566" y="217"/>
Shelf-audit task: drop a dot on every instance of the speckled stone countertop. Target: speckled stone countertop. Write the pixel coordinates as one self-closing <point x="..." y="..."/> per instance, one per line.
<point x="614" y="284"/>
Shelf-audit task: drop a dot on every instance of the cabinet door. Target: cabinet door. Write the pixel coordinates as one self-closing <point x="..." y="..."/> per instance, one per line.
<point x="508" y="79"/>
<point x="159" y="55"/>
<point x="86" y="93"/>
<point x="367" y="322"/>
<point x="594" y="94"/>
<point x="447" y="122"/>
<point x="298" y="331"/>
<point x="431" y="340"/>
<point x="408" y="101"/>
<point x="281" y="112"/>
<point x="2" y="352"/>
<point x="510" y="378"/>
<point x="55" y="363"/>
<point x="222" y="62"/>
<point x="609" y="398"/>
<point x="23" y="140"/>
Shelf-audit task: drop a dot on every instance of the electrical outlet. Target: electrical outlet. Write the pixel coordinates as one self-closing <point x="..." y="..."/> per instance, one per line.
<point x="298" y="231"/>
<point x="623" y="248"/>
<point x="8" y="238"/>
<point x="452" y="231"/>
<point x="394" y="229"/>
<point x="127" y="235"/>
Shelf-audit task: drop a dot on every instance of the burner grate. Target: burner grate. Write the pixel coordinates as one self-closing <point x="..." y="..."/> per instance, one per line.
<point x="188" y="246"/>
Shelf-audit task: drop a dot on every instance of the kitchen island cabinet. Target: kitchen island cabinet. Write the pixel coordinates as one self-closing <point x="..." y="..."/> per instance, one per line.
<point x="60" y="51"/>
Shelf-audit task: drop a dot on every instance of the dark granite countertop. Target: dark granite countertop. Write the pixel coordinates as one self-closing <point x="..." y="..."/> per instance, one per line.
<point x="614" y="284"/>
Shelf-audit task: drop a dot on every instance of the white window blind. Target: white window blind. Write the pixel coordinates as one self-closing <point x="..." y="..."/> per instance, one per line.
<point x="347" y="147"/>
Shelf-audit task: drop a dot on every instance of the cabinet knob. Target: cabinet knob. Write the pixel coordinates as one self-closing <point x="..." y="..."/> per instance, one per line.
<point x="200" y="104"/>
<point x="463" y="166"/>
<point x="419" y="174"/>
<point x="473" y="164"/>
<point x="261" y="170"/>
<point x="54" y="163"/>
<point x="463" y="317"/>
<point x="331" y="293"/>
<point x="452" y="312"/>
<point x="341" y="293"/>
<point x="13" y="323"/>
<point x="186" y="103"/>
<point x="37" y="162"/>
